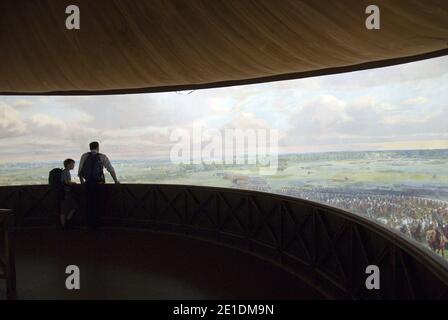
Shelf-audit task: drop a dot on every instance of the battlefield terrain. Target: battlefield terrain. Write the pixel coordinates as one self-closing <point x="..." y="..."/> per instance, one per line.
<point x="406" y="190"/>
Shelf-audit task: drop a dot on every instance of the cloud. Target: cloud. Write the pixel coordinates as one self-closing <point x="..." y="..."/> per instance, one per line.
<point x="247" y="120"/>
<point x="328" y="123"/>
<point x="22" y="104"/>
<point x="320" y="116"/>
<point x="133" y="111"/>
<point x="415" y="101"/>
<point x="46" y="121"/>
<point x="11" y="124"/>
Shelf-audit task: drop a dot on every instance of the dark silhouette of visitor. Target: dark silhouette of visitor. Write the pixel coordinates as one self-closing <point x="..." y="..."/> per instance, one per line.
<point x="91" y="174"/>
<point x="69" y="206"/>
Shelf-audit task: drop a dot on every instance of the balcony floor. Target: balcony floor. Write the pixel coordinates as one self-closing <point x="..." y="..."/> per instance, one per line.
<point x="122" y="264"/>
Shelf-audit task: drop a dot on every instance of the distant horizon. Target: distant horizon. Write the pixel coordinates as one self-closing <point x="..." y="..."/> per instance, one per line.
<point x="280" y="154"/>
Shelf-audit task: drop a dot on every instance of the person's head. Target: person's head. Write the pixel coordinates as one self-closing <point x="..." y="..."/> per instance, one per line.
<point x="94" y="146"/>
<point x="69" y="164"/>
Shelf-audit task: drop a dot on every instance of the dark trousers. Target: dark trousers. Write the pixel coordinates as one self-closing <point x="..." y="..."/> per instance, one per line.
<point x="93" y="204"/>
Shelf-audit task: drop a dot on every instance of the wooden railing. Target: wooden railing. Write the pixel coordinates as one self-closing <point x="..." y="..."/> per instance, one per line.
<point x="7" y="261"/>
<point x="327" y="248"/>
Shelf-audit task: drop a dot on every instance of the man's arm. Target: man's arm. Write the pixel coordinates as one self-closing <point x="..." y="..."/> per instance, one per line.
<point x="81" y="164"/>
<point x="109" y="168"/>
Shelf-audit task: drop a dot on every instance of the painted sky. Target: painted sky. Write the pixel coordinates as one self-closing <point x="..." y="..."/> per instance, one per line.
<point x="399" y="107"/>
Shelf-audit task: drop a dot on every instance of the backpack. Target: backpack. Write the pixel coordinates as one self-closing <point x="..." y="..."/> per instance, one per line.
<point x="92" y="169"/>
<point x="54" y="179"/>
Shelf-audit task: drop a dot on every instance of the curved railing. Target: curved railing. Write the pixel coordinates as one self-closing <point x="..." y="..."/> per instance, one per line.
<point x="326" y="247"/>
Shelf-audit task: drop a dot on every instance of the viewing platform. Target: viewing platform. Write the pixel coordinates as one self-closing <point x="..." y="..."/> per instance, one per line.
<point x="133" y="264"/>
<point x="191" y="242"/>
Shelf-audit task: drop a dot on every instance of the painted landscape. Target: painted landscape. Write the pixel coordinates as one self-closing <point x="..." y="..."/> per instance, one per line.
<point x="406" y="190"/>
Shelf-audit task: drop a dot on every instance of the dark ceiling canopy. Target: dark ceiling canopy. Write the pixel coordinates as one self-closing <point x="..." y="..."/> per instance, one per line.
<point x="128" y="46"/>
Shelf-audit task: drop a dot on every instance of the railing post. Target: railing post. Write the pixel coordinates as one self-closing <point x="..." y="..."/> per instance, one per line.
<point x="7" y="224"/>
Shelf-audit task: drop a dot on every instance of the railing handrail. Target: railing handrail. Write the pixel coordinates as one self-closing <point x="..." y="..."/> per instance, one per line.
<point x="416" y="249"/>
<point x="434" y="264"/>
<point x="372" y="224"/>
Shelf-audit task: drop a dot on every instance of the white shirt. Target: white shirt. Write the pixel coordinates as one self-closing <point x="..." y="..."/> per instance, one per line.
<point x="104" y="161"/>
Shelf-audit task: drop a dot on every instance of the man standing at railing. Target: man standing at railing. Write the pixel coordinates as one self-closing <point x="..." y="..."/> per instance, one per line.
<point x="91" y="174"/>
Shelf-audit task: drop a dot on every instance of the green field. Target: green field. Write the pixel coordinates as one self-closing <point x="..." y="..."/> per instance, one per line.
<point x="422" y="172"/>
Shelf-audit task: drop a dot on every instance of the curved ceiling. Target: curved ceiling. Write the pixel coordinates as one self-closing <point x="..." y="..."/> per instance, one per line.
<point x="126" y="46"/>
